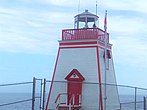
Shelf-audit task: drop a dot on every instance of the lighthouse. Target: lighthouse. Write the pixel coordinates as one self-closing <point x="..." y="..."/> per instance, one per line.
<point x="84" y="76"/>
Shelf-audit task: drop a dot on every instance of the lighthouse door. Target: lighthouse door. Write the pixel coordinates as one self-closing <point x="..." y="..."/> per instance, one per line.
<point x="74" y="91"/>
<point x="74" y="87"/>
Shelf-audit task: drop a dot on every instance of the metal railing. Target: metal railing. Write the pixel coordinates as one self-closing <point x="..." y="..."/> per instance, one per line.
<point x="23" y="96"/>
<point x="83" y="34"/>
<point x="6" y="95"/>
<point x="61" y="100"/>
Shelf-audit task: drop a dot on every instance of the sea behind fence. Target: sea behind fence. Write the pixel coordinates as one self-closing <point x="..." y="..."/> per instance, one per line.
<point x="6" y="98"/>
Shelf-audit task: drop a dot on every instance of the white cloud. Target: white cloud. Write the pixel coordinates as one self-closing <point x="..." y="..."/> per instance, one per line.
<point x="126" y="25"/>
<point x="131" y="51"/>
<point x="61" y="2"/>
<point x="139" y="5"/>
<point x="130" y="60"/>
<point x="68" y="2"/>
<point x="74" y="4"/>
<point x="26" y="44"/>
<point x="20" y="32"/>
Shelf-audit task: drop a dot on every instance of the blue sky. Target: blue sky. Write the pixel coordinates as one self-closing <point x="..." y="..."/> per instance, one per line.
<point x="30" y="30"/>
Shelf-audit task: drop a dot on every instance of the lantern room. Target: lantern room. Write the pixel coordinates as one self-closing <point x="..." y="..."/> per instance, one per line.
<point x="86" y="20"/>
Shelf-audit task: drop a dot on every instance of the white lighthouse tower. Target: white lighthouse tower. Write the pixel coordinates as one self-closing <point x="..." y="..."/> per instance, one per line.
<point x="84" y="77"/>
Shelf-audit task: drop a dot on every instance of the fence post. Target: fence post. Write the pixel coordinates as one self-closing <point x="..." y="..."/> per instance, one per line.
<point x="44" y="86"/>
<point x="135" y="96"/>
<point x="33" y="94"/>
<point x="41" y="93"/>
<point x="144" y="103"/>
<point x="120" y="106"/>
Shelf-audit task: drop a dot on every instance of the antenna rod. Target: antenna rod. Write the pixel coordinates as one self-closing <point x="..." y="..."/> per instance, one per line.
<point x="78" y="6"/>
<point x="96" y="7"/>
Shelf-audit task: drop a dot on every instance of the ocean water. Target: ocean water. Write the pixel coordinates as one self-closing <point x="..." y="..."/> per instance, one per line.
<point x="6" y="98"/>
<point x="126" y="100"/>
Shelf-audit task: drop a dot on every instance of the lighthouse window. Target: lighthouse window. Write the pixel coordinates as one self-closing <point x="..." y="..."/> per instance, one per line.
<point x="74" y="75"/>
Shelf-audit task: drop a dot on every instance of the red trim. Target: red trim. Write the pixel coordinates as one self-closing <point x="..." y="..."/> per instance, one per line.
<point x="78" y="43"/>
<point x="75" y="71"/>
<point x="52" y="81"/>
<point x="82" y="43"/>
<point x="63" y="103"/>
<point x="57" y="97"/>
<point x="74" y="79"/>
<point x="79" y="47"/>
<point x="99" y="77"/>
<point x="71" y="107"/>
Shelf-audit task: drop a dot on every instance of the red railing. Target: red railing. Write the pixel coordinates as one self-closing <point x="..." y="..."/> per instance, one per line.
<point x="64" y="102"/>
<point x="85" y="33"/>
